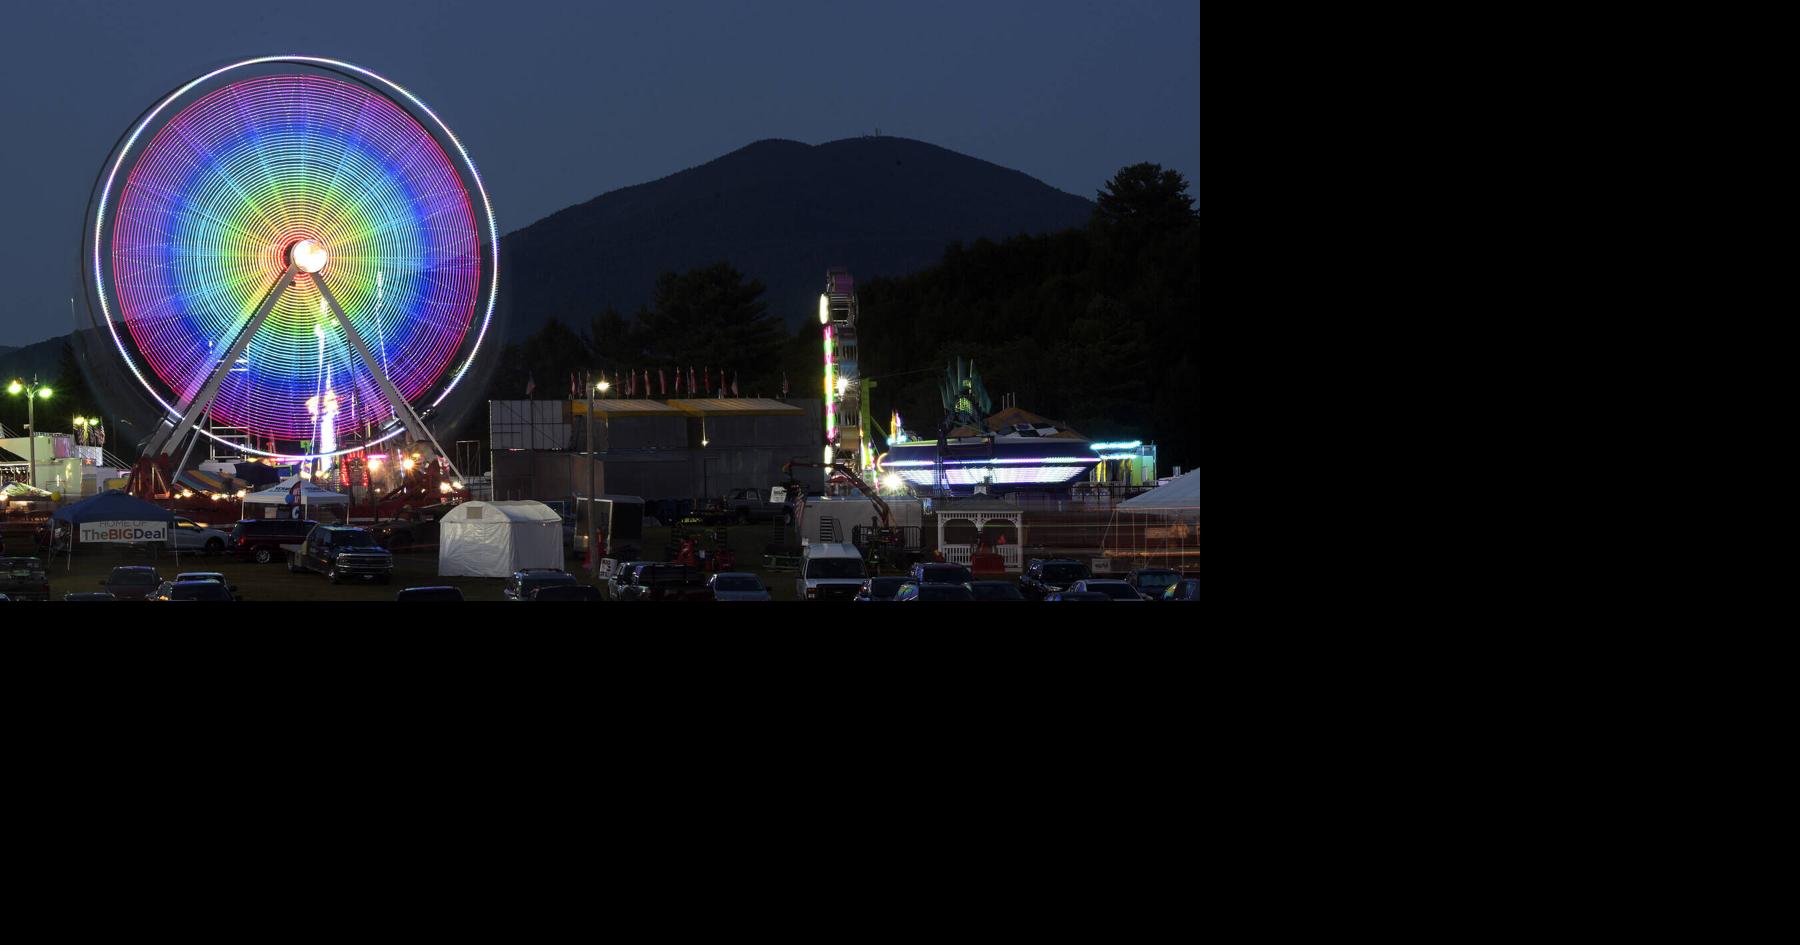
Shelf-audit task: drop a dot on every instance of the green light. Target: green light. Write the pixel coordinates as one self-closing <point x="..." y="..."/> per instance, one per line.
<point x="14" y="387"/>
<point x="44" y="394"/>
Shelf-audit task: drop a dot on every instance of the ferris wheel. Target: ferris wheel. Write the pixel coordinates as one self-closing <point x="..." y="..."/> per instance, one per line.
<point x="295" y="247"/>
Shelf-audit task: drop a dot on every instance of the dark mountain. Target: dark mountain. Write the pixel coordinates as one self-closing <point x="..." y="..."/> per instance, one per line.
<point x="778" y="211"/>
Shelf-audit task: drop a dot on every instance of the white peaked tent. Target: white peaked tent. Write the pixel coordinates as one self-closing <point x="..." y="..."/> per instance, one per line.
<point x="295" y="497"/>
<point x="494" y="539"/>
<point x="1160" y="528"/>
<point x="1180" y="499"/>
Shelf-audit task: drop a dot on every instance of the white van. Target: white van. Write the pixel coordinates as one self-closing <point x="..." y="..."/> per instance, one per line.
<point x="830" y="571"/>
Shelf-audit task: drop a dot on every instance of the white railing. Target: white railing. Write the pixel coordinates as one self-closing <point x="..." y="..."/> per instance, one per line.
<point x="960" y="554"/>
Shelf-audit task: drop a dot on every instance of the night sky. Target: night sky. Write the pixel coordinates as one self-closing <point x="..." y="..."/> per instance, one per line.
<point x="559" y="102"/>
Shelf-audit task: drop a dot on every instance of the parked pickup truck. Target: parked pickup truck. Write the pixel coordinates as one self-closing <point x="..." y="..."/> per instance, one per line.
<point x="753" y="505"/>
<point x="342" y="554"/>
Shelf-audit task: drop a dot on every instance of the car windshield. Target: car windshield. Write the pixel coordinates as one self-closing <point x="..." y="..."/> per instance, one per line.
<point x="567" y="592"/>
<point x="1157" y="580"/>
<point x="834" y="568"/>
<point x="200" y="576"/>
<point x="198" y="590"/>
<point x="946" y="574"/>
<point x="353" y="540"/>
<point x="545" y="580"/>
<point x="737" y="584"/>
<point x="944" y="592"/>
<point x="21" y="564"/>
<point x="134" y="577"/>
<point x="1064" y="573"/>
<point x="986" y="591"/>
<point x="1115" y="590"/>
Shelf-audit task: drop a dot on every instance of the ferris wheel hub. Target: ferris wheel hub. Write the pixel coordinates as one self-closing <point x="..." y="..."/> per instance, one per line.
<point x="308" y="256"/>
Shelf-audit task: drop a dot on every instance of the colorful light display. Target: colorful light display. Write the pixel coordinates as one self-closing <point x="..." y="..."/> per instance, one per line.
<point x="317" y="163"/>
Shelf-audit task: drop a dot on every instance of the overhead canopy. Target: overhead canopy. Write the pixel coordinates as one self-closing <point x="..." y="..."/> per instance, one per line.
<point x="296" y="491"/>
<point x="113" y="505"/>
<point x="1178" y="499"/>
<point x="494" y="539"/>
<point x="258" y="474"/>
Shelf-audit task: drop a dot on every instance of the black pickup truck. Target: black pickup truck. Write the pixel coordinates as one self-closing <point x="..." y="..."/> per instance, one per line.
<point x="342" y="554"/>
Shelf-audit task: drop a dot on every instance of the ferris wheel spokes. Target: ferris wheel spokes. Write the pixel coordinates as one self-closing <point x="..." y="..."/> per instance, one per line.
<point x="169" y="435"/>
<point x="415" y="426"/>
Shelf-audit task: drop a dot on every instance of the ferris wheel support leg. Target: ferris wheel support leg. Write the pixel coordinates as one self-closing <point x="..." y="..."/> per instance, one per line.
<point x="162" y="443"/>
<point x="414" y="425"/>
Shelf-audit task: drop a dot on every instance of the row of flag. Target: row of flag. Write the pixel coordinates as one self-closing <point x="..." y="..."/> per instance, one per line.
<point x="638" y="384"/>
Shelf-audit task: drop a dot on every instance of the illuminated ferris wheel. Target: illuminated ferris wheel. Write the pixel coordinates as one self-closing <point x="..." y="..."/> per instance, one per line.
<point x="295" y="247"/>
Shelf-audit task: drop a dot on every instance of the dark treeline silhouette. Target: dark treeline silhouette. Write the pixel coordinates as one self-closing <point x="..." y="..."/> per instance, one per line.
<point x="1097" y="327"/>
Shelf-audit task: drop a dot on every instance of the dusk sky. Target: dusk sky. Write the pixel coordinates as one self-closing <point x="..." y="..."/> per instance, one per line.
<point x="561" y="101"/>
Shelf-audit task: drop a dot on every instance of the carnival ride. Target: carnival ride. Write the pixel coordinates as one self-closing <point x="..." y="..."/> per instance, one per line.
<point x="301" y="250"/>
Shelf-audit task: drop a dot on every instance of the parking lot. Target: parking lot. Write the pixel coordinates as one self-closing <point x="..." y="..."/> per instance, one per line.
<point x="272" y="582"/>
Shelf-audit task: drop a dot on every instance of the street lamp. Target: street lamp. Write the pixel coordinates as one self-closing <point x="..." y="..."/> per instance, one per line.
<point x="33" y="393"/>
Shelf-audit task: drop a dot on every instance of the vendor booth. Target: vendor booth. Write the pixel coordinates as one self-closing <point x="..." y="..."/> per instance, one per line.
<point x="298" y="498"/>
<point x="494" y="539"/>
<point x="112" y="518"/>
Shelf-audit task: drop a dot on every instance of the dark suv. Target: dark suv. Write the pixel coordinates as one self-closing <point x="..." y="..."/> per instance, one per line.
<point x="1046" y="576"/>
<point x="261" y="539"/>
<point x="667" y="582"/>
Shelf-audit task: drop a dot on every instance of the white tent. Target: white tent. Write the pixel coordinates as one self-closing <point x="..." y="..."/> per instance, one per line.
<point x="1180" y="499"/>
<point x="494" y="539"/>
<point x="295" y="497"/>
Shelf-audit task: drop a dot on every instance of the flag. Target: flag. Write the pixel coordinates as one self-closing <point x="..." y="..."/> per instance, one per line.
<point x="663" y="376"/>
<point x="646" y="382"/>
<point x="734" y="389"/>
<point x="690" y="379"/>
<point x="574" y="387"/>
<point x="630" y="380"/>
<point x="678" y="382"/>
<point x="784" y="387"/>
<point x="530" y="384"/>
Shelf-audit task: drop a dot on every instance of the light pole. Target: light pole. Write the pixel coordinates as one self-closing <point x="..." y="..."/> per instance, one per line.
<point x="33" y="393"/>
<point x="593" y="559"/>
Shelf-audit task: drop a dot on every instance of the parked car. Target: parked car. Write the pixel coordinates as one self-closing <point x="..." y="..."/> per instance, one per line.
<point x="88" y="595"/>
<point x="260" y="539"/>
<point x="995" y="590"/>
<point x="1077" y="595"/>
<point x="189" y="535"/>
<point x="830" y="571"/>
<point x="738" y="585"/>
<point x="132" y="582"/>
<point x="940" y="573"/>
<point x="933" y="591"/>
<point x="1151" y="582"/>
<point x="668" y="582"/>
<point x="209" y="576"/>
<point x="413" y="594"/>
<point x="621" y="573"/>
<point x="753" y="505"/>
<point x="24" y="579"/>
<point x="1045" y="576"/>
<point x="881" y="589"/>
<point x="1185" y="589"/>
<point x="566" y="592"/>
<point x="524" y="582"/>
<point x="1117" y="590"/>
<point x="194" y="590"/>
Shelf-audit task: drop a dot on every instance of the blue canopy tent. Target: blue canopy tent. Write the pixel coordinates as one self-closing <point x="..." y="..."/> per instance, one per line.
<point x="113" y="505"/>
